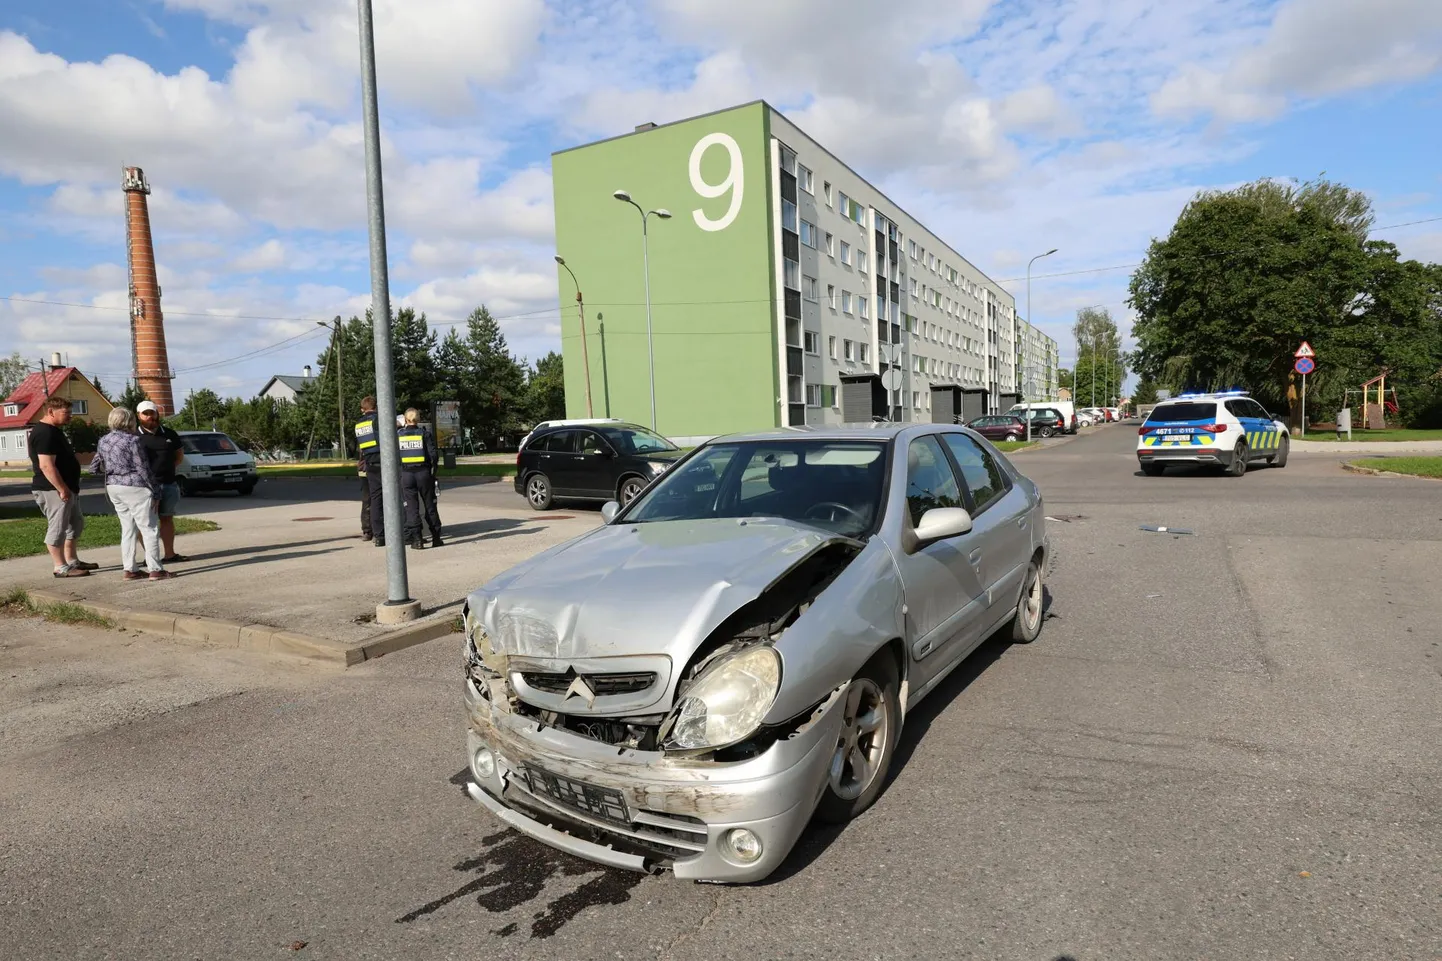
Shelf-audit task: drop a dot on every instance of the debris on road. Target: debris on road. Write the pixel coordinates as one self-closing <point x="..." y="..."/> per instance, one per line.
<point x="1166" y="530"/>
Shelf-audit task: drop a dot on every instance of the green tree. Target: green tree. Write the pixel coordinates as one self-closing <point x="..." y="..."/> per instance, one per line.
<point x="413" y="360"/>
<point x="100" y="389"/>
<point x="1244" y="277"/>
<point x="13" y="370"/>
<point x="202" y="408"/>
<point x="494" y="392"/>
<point x="1146" y="392"/>
<point x="132" y="395"/>
<point x="546" y="389"/>
<point x="1101" y="366"/>
<point x="1064" y="377"/>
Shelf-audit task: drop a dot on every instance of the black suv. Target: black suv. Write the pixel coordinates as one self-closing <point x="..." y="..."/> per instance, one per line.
<point x="600" y="462"/>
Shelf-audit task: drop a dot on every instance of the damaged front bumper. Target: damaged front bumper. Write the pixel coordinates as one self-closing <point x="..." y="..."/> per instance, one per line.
<point x="649" y="810"/>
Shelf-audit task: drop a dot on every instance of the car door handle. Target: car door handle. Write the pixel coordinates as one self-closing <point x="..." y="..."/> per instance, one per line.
<point x="975" y="557"/>
<point x="1021" y="522"/>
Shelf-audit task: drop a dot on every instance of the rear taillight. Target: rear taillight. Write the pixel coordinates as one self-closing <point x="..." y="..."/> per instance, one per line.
<point x="1144" y="429"/>
<point x="1215" y="428"/>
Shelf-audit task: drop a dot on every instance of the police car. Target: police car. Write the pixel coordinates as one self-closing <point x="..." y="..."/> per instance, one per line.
<point x="1228" y="430"/>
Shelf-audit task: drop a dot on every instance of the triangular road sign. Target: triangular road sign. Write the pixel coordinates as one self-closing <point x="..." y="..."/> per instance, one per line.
<point x="1305" y="350"/>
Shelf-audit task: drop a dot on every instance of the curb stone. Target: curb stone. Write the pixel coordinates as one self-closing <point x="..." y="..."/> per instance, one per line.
<point x="257" y="637"/>
<point x="1383" y="473"/>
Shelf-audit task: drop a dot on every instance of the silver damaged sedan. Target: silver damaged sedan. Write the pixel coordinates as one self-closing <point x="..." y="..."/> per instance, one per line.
<point x="735" y="652"/>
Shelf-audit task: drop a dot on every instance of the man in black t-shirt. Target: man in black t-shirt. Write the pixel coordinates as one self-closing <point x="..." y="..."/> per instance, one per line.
<point x="56" y="488"/>
<point x="163" y="446"/>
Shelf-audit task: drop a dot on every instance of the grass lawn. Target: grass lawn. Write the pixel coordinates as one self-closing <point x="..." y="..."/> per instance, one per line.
<point x="1417" y="466"/>
<point x="1373" y="436"/>
<point x="348" y="470"/>
<point x="22" y="531"/>
<point x="21" y="604"/>
<point x="16" y="473"/>
<point x="1007" y="446"/>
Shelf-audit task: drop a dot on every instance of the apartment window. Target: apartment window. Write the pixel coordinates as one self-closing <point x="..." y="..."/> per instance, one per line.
<point x="808" y="234"/>
<point x="916" y="400"/>
<point x="791" y="271"/>
<point x="831" y="347"/>
<point x="830" y="246"/>
<point x="920" y="364"/>
<point x="4" y="441"/>
<point x="813" y="395"/>
<point x="804" y="180"/>
<point x="79" y="407"/>
<point x="913" y="286"/>
<point x="845" y="253"/>
<point x="831" y="296"/>
<point x="826" y="190"/>
<point x="861" y="260"/>
<point x="861" y="307"/>
<point x="850" y="348"/>
<point x="788" y="215"/>
<point x="12" y="410"/>
<point x="846" y="301"/>
<point x="843" y="203"/>
<point x="812" y="342"/>
<point x="858" y="214"/>
<point x="865" y="353"/>
<point x="809" y="288"/>
<point x="834" y="390"/>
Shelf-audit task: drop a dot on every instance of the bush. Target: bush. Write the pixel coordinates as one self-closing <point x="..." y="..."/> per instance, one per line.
<point x="84" y="435"/>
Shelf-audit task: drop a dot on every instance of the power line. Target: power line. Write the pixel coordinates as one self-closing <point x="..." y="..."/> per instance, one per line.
<point x="1219" y="253"/>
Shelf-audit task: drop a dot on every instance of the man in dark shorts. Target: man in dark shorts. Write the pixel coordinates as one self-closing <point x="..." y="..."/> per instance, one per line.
<point x="162" y="444"/>
<point x="56" y="488"/>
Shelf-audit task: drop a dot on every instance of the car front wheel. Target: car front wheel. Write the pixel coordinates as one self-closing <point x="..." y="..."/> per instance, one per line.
<point x="869" y="726"/>
<point x="1026" y="625"/>
<point x="538" y="492"/>
<point x="1280" y="458"/>
<point x="630" y="488"/>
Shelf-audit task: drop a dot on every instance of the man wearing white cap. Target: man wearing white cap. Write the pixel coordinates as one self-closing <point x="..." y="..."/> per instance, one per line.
<point x="162" y="444"/>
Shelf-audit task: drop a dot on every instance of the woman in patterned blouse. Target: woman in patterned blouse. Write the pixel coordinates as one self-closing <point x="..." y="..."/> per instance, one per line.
<point x="133" y="490"/>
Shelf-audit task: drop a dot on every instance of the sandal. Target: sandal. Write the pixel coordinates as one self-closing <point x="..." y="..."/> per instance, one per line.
<point x="174" y="559"/>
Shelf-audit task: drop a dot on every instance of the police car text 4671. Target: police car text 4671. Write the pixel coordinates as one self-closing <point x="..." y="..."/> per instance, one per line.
<point x="1228" y="430"/>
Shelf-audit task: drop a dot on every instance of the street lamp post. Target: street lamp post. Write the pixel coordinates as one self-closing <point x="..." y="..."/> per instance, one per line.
<point x="1029" y="320"/>
<point x="663" y="214"/>
<point x="585" y="352"/>
<point x="339" y="381"/>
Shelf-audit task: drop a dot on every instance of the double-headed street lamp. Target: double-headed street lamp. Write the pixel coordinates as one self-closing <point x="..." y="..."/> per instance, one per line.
<point x="1030" y="320"/>
<point x="664" y="214"/>
<point x="585" y="352"/>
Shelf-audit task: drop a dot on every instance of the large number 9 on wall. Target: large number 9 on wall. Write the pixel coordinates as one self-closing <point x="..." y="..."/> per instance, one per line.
<point x="733" y="181"/>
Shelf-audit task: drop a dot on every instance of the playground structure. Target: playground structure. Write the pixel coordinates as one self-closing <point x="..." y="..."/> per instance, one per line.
<point x="1375" y="412"/>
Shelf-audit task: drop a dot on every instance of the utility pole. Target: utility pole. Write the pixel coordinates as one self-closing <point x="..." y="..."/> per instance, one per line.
<point x="1030" y="320"/>
<point x="585" y="350"/>
<point x="339" y="380"/>
<point x="398" y="606"/>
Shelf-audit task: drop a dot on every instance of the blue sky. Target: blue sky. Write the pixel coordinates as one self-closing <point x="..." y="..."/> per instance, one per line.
<point x="1008" y="127"/>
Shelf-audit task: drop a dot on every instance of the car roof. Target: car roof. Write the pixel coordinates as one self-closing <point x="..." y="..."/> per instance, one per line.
<point x="880" y="432"/>
<point x="1207" y="395"/>
<point x="555" y="425"/>
<point x="198" y="433"/>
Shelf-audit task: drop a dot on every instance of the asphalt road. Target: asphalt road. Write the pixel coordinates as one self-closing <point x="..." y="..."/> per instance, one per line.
<point x="1223" y="745"/>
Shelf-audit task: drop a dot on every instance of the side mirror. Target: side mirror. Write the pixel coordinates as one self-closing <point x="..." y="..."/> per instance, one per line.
<point x="609" y="510"/>
<point x="942" y="522"/>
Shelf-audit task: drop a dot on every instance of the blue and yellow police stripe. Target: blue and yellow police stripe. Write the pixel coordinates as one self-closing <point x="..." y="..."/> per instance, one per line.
<point x="1264" y="439"/>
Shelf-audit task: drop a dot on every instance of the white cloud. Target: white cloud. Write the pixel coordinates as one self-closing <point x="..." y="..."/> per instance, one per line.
<point x="1314" y="48"/>
<point x="270" y="255"/>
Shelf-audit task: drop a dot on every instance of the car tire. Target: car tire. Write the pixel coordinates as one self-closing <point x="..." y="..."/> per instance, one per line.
<point x="1238" y="466"/>
<point x="1153" y="470"/>
<point x="1279" y="459"/>
<point x="538" y="492"/>
<point x="246" y="490"/>
<point x="874" y="689"/>
<point x="184" y="484"/>
<point x="628" y="489"/>
<point x="1030" y="607"/>
<point x="1043" y="431"/>
<point x="1013" y="438"/>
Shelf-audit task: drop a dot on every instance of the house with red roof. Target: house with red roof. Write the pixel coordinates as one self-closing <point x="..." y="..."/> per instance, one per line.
<point x="26" y="403"/>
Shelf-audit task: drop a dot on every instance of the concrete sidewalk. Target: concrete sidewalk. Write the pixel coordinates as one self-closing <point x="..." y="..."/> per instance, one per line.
<point x="280" y="574"/>
<point x="1381" y="448"/>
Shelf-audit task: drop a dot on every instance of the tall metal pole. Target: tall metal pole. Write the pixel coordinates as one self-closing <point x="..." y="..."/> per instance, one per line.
<point x="585" y="350"/>
<point x="398" y="601"/>
<point x="650" y="339"/>
<point x="1029" y="320"/>
<point x="339" y="389"/>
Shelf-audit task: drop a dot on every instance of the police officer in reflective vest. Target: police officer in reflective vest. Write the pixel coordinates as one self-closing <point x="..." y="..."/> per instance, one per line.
<point x="418" y="480"/>
<point x="368" y="444"/>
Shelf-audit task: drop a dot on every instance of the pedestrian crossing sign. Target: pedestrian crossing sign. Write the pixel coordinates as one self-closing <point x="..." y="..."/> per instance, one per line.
<point x="1305" y="350"/>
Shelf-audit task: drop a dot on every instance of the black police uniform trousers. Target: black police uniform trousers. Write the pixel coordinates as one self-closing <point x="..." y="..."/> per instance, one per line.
<point x="365" y="484"/>
<point x="371" y="494"/>
<point x="419" y="488"/>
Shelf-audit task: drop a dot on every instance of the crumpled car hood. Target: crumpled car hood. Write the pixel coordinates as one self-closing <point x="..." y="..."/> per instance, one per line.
<point x="639" y="589"/>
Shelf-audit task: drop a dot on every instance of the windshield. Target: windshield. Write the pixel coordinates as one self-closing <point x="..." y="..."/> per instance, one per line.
<point x="1183" y="411"/>
<point x="207" y="444"/>
<point x="635" y="440"/>
<point x="834" y="485"/>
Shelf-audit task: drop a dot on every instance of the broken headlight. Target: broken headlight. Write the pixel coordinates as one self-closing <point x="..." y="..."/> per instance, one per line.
<point x="727" y="702"/>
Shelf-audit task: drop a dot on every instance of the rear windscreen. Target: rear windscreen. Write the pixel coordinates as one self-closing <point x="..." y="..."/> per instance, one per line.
<point x="1188" y="411"/>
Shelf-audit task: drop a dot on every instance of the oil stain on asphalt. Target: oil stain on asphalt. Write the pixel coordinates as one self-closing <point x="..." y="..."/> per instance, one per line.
<point x="513" y="870"/>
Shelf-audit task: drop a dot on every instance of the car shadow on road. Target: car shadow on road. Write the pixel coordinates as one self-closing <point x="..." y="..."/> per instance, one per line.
<point x="818" y="836"/>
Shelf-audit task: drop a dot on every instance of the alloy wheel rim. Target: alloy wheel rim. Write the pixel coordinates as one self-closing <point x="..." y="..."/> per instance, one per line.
<point x="629" y="490"/>
<point x="538" y="491"/>
<point x="1032" y="600"/>
<point x="865" y="729"/>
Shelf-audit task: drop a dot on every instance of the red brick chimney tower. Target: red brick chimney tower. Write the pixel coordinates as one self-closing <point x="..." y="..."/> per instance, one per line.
<point x="148" y="359"/>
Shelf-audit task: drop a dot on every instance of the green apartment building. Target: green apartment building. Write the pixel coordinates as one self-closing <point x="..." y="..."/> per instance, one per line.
<point x="785" y="290"/>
